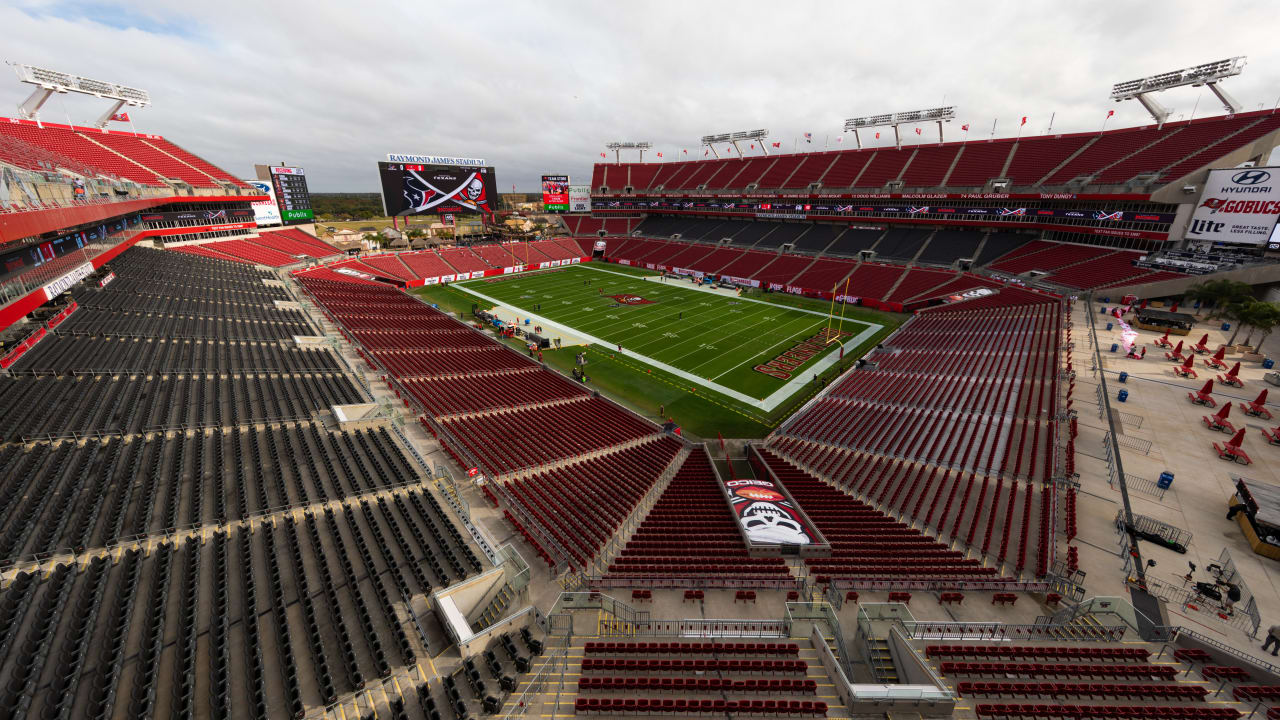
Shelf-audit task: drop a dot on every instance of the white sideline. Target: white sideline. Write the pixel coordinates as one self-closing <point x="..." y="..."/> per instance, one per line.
<point x="767" y="404"/>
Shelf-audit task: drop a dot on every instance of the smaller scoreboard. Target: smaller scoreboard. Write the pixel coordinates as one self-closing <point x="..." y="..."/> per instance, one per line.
<point x="290" y="185"/>
<point x="555" y="193"/>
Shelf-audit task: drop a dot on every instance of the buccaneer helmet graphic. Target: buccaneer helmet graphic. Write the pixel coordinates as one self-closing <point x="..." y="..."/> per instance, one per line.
<point x="475" y="190"/>
<point x="767" y="522"/>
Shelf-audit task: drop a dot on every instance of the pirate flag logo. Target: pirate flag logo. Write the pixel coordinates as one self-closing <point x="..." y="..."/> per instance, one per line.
<point x="423" y="192"/>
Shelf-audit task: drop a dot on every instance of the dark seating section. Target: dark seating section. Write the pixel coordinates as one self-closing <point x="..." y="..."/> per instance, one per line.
<point x="853" y="241"/>
<point x="62" y="353"/>
<point x="947" y="246"/>
<point x="321" y="590"/>
<point x="999" y="244"/>
<point x="818" y="238"/>
<point x="901" y="244"/>
<point x="954" y="426"/>
<point x="35" y="406"/>
<point x="689" y="538"/>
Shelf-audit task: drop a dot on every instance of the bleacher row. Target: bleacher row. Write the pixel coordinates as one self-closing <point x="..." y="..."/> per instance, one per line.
<point x="503" y="415"/>
<point x="450" y="263"/>
<point x="96" y="493"/>
<point x="689" y="538"/>
<point x="953" y="424"/>
<point x="262" y="623"/>
<point x="753" y="253"/>
<point x="143" y="159"/>
<point x="275" y="248"/>
<point x="1057" y="681"/>
<point x="1113" y="157"/>
<point x="128" y="611"/>
<point x="722" y="679"/>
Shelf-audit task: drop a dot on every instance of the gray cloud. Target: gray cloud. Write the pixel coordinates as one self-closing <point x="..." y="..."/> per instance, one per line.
<point x="541" y="87"/>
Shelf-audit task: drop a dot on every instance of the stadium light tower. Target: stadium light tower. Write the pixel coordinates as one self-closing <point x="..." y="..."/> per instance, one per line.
<point x="1210" y="74"/>
<point x="734" y="138"/>
<point x="48" y="82"/>
<point x="938" y="115"/>
<point x="618" y="147"/>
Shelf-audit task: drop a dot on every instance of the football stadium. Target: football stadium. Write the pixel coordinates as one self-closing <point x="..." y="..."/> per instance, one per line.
<point x="912" y="426"/>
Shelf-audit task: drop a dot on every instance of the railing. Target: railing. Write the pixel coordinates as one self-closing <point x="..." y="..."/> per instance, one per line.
<point x="554" y="664"/>
<point x="922" y="630"/>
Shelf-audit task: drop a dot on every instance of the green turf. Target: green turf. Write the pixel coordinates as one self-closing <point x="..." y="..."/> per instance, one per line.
<point x="647" y="390"/>
<point x="716" y="338"/>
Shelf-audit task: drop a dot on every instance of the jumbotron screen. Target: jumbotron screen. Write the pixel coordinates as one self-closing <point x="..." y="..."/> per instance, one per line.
<point x="292" y="197"/>
<point x="555" y="193"/>
<point x="419" y="189"/>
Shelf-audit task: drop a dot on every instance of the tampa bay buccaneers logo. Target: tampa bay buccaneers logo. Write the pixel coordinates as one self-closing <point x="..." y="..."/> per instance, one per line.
<point x="631" y="300"/>
<point x="424" y="193"/>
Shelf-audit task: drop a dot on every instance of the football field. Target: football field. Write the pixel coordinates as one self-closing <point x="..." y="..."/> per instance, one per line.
<point x="755" y="352"/>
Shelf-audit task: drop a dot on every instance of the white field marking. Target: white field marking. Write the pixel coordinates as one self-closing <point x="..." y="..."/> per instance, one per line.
<point x="767" y="404"/>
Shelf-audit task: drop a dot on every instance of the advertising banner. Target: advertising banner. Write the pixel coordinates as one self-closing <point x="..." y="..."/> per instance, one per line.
<point x="265" y="212"/>
<point x="292" y="196"/>
<point x="579" y="198"/>
<point x="1238" y="206"/>
<point x="555" y="193"/>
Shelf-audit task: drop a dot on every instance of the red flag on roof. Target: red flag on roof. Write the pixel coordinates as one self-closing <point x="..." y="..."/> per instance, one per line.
<point x="1110" y="113"/>
<point x="659" y="154"/>
<point x="965" y="127"/>
<point x="602" y="155"/>
<point x="120" y="117"/>
<point x="777" y="144"/>
<point x="753" y="146"/>
<point x="1024" y="120"/>
<point x="877" y="136"/>
<point x="686" y="152"/>
<point x="706" y="153"/>
<point x="917" y="131"/>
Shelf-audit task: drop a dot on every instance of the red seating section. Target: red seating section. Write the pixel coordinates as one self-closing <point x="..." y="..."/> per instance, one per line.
<point x="866" y="544"/>
<point x="295" y="242"/>
<point x="243" y="251"/>
<point x="1111" y="157"/>
<point x="144" y="159"/>
<point x="954" y="427"/>
<point x="712" y="670"/>
<point x="690" y="536"/>
<point x="585" y="225"/>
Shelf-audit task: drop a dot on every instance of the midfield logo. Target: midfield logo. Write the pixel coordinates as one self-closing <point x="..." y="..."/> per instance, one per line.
<point x="631" y="300"/>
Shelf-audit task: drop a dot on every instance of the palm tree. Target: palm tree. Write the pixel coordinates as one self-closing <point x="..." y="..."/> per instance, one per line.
<point x="1219" y="294"/>
<point x="1238" y="314"/>
<point x="1261" y="316"/>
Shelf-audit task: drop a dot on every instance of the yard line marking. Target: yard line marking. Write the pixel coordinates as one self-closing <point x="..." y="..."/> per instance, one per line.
<point x="767" y="404"/>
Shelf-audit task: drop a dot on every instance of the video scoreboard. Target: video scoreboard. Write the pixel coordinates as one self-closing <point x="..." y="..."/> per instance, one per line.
<point x="424" y="184"/>
<point x="290" y="185"/>
<point x="555" y="193"/>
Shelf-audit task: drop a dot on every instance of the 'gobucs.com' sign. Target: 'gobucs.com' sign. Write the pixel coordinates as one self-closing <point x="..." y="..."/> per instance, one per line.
<point x="631" y="300"/>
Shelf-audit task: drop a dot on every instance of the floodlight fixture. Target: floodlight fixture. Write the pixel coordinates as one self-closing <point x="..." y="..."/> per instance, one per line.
<point x="48" y="82"/>
<point x="1210" y="74"/>
<point x="618" y="147"/>
<point x="893" y="120"/>
<point x="734" y="138"/>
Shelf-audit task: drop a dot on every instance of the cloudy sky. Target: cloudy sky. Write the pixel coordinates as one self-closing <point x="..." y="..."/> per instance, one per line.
<point x="541" y="87"/>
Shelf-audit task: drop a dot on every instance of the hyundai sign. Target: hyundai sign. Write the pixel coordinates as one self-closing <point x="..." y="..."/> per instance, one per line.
<point x="1238" y="206"/>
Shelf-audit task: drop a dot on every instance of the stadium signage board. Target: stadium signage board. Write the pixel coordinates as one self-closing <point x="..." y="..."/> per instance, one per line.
<point x="1239" y="206"/>
<point x="292" y="197"/>
<point x="579" y="198"/>
<point x="555" y="193"/>
<point x="434" y="160"/>
<point x="420" y="189"/>
<point x="265" y="212"/>
<point x="65" y="282"/>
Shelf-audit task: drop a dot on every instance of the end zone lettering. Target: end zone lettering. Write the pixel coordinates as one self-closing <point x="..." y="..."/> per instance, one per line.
<point x="783" y="366"/>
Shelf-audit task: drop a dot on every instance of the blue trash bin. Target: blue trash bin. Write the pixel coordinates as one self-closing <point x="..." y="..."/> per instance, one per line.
<point x="1226" y="326"/>
<point x="1102" y="311"/>
<point x="1123" y="395"/>
<point x="1124" y="377"/>
<point x="1115" y="347"/>
<point x="1268" y="363"/>
<point x="1110" y="325"/>
<point x="1165" y="481"/>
